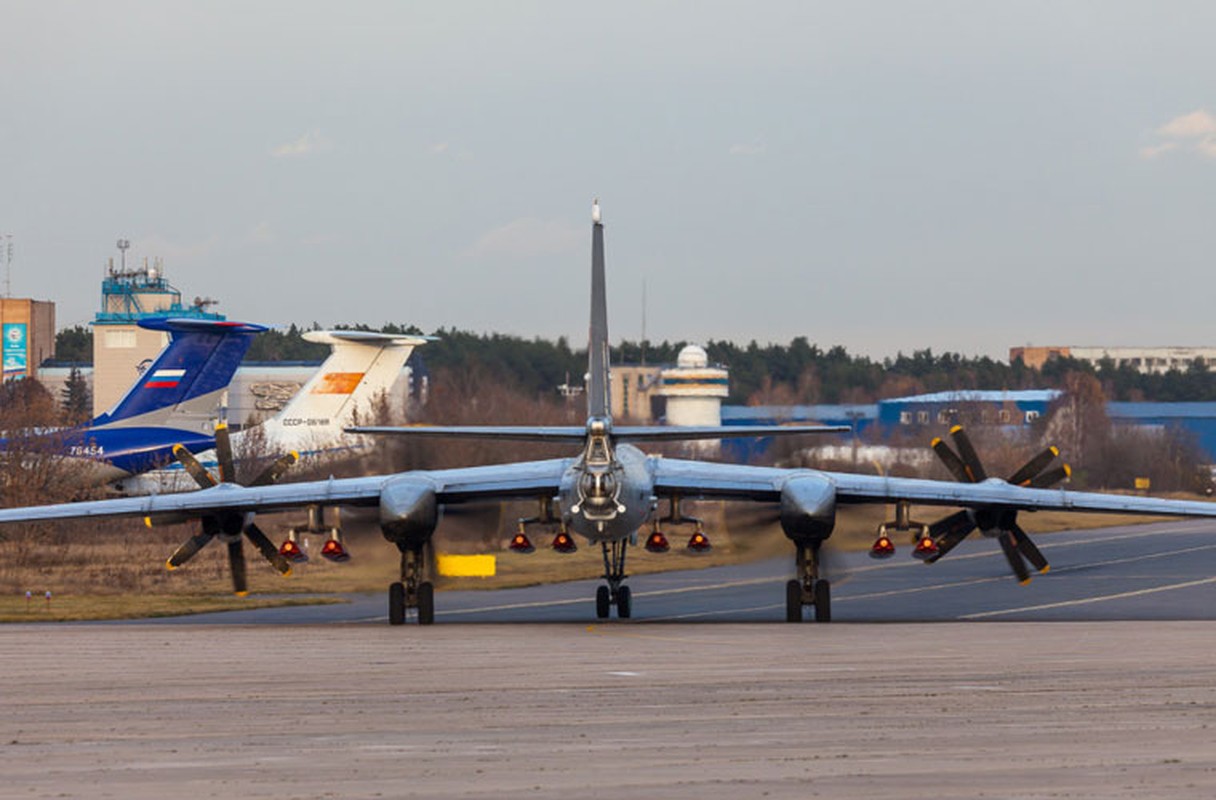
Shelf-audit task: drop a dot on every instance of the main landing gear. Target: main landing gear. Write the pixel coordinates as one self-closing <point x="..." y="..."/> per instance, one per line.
<point x="808" y="589"/>
<point x="616" y="593"/>
<point x="412" y="591"/>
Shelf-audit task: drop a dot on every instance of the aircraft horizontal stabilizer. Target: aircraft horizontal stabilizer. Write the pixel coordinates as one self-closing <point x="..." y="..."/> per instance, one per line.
<point x="370" y="338"/>
<point x="626" y="433"/>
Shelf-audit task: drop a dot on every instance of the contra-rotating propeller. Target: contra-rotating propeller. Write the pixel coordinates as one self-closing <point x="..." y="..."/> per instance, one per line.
<point x="966" y="467"/>
<point x="230" y="524"/>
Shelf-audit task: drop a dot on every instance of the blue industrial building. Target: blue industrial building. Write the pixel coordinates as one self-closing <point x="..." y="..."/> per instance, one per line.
<point x="1198" y="419"/>
<point x="966" y="408"/>
<point x="1012" y="410"/>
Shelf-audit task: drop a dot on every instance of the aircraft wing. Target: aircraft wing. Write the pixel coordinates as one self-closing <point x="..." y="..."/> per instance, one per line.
<point x="524" y="479"/>
<point x="726" y="481"/>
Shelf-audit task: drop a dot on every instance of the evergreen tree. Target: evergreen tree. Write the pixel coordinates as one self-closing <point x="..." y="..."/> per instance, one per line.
<point x="76" y="399"/>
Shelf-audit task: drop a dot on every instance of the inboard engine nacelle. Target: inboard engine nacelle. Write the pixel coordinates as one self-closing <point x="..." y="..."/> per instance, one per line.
<point x="409" y="512"/>
<point x="808" y="508"/>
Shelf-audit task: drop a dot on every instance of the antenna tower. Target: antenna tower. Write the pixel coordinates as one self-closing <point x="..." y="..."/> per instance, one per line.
<point x="123" y="246"/>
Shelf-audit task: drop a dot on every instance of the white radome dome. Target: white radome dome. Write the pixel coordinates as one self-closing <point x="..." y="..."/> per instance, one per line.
<point x="692" y="357"/>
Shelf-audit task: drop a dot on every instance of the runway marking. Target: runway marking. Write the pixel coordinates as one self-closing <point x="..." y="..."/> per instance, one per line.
<point x="843" y="598"/>
<point x="626" y="674"/>
<point x="1088" y="600"/>
<point x="930" y="587"/>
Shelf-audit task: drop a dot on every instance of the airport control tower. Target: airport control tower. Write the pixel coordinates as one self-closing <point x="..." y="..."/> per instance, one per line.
<point x="694" y="390"/>
<point x="120" y="347"/>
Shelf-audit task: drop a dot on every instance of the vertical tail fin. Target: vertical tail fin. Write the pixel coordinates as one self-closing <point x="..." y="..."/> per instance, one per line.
<point x="597" y="343"/>
<point x="361" y="366"/>
<point x="183" y="385"/>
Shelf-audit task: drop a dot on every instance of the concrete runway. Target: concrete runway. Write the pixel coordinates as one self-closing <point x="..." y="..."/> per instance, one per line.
<point x="656" y="707"/>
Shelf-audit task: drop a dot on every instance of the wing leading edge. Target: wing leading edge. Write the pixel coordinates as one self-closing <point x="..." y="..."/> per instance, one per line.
<point x="524" y="479"/>
<point x="725" y="481"/>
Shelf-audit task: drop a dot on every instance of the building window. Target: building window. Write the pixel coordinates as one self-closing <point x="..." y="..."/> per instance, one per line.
<point x="922" y="417"/>
<point x="120" y="340"/>
<point x="1003" y="415"/>
<point x="625" y="395"/>
<point x="1031" y="416"/>
<point x="905" y="418"/>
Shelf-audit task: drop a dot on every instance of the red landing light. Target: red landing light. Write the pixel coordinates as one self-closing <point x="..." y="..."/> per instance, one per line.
<point x="883" y="548"/>
<point x="334" y="551"/>
<point x="291" y="551"/>
<point x="657" y="543"/>
<point x="563" y="543"/>
<point x="925" y="548"/>
<point x="521" y="544"/>
<point x="699" y="543"/>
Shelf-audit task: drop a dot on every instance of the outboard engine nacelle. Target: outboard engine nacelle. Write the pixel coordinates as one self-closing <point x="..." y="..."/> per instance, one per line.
<point x="808" y="508"/>
<point x="409" y="512"/>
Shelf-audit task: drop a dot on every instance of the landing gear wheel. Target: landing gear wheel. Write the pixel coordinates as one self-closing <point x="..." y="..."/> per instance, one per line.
<point x="624" y="602"/>
<point x="396" y="604"/>
<point x="823" y="601"/>
<point x="793" y="601"/>
<point x="426" y="603"/>
<point x="603" y="602"/>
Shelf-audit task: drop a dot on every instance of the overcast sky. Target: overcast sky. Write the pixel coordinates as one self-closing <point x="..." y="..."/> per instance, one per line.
<point x="963" y="176"/>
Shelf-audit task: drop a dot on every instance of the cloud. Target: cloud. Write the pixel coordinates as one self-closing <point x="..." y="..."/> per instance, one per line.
<point x="528" y="237"/>
<point x="439" y="148"/>
<point x="746" y="150"/>
<point x="1195" y="125"/>
<point x="1194" y="132"/>
<point x="309" y="144"/>
<point x="1153" y="150"/>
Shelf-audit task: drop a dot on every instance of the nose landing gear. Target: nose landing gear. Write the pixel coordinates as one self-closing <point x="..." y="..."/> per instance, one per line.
<point x="616" y="593"/>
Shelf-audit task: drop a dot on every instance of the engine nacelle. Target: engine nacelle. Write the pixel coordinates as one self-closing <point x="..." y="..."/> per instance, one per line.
<point x="409" y="512"/>
<point x="808" y="508"/>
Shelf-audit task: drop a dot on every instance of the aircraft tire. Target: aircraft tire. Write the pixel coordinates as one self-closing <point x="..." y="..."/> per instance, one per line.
<point x="396" y="604"/>
<point x="624" y="602"/>
<point x="793" y="600"/>
<point x="426" y="603"/>
<point x="823" y="601"/>
<point x="603" y="602"/>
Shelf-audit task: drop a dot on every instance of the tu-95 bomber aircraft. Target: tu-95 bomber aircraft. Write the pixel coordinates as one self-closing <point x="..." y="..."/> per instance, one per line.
<point x="610" y="489"/>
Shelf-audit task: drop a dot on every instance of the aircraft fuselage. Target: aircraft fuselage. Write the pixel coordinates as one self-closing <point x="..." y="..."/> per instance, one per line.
<point x="609" y="500"/>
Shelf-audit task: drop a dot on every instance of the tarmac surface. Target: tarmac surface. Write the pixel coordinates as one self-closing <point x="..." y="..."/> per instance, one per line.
<point x="656" y="706"/>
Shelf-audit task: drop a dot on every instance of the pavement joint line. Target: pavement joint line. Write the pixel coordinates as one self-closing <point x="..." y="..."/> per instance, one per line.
<point x="1090" y="600"/>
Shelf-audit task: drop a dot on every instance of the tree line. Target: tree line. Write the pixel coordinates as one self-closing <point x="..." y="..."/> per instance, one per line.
<point x="799" y="372"/>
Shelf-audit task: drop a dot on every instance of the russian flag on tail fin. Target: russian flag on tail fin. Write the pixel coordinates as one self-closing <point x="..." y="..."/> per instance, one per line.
<point x="166" y="378"/>
<point x="187" y="377"/>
